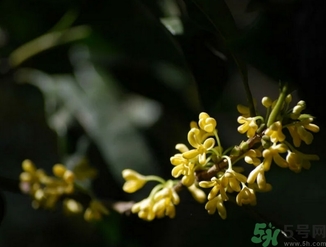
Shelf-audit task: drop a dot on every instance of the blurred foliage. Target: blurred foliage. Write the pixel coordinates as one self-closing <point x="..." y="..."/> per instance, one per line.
<point x="118" y="82"/>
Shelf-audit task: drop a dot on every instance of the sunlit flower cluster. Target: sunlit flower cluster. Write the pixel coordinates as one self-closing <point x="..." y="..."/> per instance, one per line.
<point x="274" y="143"/>
<point x="206" y="166"/>
<point x="201" y="166"/>
<point x="199" y="137"/>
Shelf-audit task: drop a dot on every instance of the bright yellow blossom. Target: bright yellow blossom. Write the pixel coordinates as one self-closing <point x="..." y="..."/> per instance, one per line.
<point x="246" y="196"/>
<point x="298" y="160"/>
<point x="218" y="187"/>
<point x="299" y="133"/>
<point x="206" y="122"/>
<point x="183" y="167"/>
<point x="216" y="203"/>
<point x="272" y="153"/>
<point x="251" y="157"/>
<point x="233" y="180"/>
<point x="200" y="149"/>
<point x="275" y="132"/>
<point x="144" y="209"/>
<point x="258" y="175"/>
<point x="134" y="180"/>
<point x="197" y="193"/>
<point x="248" y="125"/>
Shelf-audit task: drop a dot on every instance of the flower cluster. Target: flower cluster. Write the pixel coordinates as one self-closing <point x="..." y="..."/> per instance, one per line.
<point x="199" y="137"/>
<point x="274" y="143"/>
<point x="202" y="165"/>
<point x="206" y="165"/>
<point x="161" y="201"/>
<point x="47" y="191"/>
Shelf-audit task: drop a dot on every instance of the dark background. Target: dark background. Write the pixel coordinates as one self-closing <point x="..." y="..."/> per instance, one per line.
<point x="129" y="91"/>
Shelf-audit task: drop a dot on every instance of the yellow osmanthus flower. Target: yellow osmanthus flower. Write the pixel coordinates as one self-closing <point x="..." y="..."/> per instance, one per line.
<point x="134" y="180"/>
<point x="200" y="149"/>
<point x="246" y="196"/>
<point x="255" y="187"/>
<point x="251" y="157"/>
<point x="248" y="125"/>
<point x="298" y="160"/>
<point x="30" y="178"/>
<point x="165" y="201"/>
<point x="46" y="190"/>
<point x="183" y="167"/>
<point x="216" y="203"/>
<point x="159" y="204"/>
<point x="206" y="122"/>
<point x="144" y="209"/>
<point x="272" y="153"/>
<point x="203" y="135"/>
<point x="217" y="187"/>
<point x="299" y="133"/>
<point x="258" y="175"/>
<point x="275" y="132"/>
<point x="233" y="180"/>
<point x="296" y="111"/>
<point x="197" y="193"/>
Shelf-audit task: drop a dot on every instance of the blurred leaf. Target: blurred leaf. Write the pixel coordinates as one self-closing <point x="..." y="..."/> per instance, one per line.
<point x="65" y="22"/>
<point x="94" y="101"/>
<point x="173" y="24"/>
<point x="47" y="41"/>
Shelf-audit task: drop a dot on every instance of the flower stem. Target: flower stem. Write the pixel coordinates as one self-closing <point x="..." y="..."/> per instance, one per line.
<point x="155" y="178"/>
<point x="278" y="106"/>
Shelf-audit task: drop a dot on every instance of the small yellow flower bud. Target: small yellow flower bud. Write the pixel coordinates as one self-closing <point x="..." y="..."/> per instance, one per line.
<point x="25" y="177"/>
<point x="267" y="102"/>
<point x="288" y="99"/>
<point x="59" y="170"/>
<point x="275" y="132"/>
<point x="28" y="166"/>
<point x="68" y="176"/>
<point x="39" y="195"/>
<point x="72" y="207"/>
